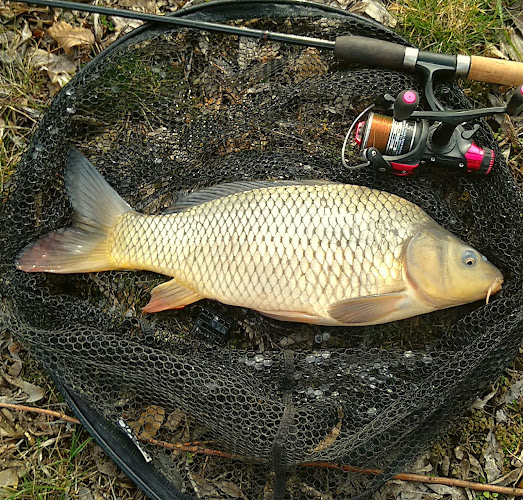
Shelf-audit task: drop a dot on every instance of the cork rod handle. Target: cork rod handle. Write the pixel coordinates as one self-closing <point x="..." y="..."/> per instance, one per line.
<point x="486" y="69"/>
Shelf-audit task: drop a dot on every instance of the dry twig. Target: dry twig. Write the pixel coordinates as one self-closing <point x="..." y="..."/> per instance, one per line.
<point x="195" y="448"/>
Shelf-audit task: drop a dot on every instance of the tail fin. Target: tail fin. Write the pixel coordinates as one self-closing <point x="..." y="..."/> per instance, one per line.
<point x="84" y="246"/>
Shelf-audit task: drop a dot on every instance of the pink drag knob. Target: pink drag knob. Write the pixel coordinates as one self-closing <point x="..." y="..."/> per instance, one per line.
<point x="410" y="97"/>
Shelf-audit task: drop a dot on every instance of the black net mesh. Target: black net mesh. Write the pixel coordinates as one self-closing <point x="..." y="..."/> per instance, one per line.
<point x="172" y="110"/>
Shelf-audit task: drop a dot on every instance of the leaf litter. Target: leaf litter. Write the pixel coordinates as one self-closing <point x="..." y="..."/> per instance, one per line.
<point x="480" y="447"/>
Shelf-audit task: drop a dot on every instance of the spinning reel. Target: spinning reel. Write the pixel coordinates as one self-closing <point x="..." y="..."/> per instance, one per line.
<point x="402" y="139"/>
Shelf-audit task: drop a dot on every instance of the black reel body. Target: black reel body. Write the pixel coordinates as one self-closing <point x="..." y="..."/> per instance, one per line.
<point x="402" y="140"/>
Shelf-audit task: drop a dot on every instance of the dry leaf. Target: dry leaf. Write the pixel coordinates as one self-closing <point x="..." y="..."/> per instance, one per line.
<point x="60" y="68"/>
<point x="9" y="477"/>
<point x="14" y="9"/>
<point x="402" y="490"/>
<point x="9" y="429"/>
<point x="39" y="57"/>
<point x="107" y="467"/>
<point x="230" y="489"/>
<point x="149" y="422"/>
<point x="85" y="493"/>
<point x="203" y="487"/>
<point x="515" y="47"/>
<point x="68" y="37"/>
<point x="480" y="403"/>
<point x="375" y="10"/>
<point x="34" y="392"/>
<point x="447" y="491"/>
<point x="514" y="393"/>
<point x="121" y="27"/>
<point x="174" y="420"/>
<point x="61" y="71"/>
<point x="24" y="36"/>
<point x="493" y="458"/>
<point x="510" y="478"/>
<point x="98" y="30"/>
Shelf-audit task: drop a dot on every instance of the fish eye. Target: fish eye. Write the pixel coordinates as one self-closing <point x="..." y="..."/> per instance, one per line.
<point x="469" y="258"/>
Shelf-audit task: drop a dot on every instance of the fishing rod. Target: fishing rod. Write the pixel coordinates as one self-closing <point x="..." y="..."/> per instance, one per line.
<point x="402" y="138"/>
<point x="367" y="51"/>
<point x="188" y="23"/>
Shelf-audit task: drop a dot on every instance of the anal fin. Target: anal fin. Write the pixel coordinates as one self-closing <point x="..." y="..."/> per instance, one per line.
<point x="170" y="295"/>
<point x="299" y="317"/>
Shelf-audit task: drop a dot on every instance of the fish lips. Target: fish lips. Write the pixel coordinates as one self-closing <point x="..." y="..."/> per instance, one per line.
<point x="495" y="287"/>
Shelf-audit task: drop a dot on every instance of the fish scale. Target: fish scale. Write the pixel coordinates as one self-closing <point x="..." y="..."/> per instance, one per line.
<point x="315" y="244"/>
<point x="310" y="251"/>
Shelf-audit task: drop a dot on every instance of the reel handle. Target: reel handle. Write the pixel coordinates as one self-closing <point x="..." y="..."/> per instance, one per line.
<point x="405" y="104"/>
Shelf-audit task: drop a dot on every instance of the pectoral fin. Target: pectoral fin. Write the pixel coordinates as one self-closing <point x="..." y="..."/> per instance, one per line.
<point x="368" y="310"/>
<point x="170" y="295"/>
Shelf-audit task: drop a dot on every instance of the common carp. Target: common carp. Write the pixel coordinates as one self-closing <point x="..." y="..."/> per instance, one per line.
<point x="309" y="251"/>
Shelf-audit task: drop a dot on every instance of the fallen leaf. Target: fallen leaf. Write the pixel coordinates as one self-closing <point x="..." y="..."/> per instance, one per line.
<point x="459" y="452"/>
<point x="60" y="68"/>
<point x="34" y="392"/>
<point x="514" y="393"/>
<point x="493" y="458"/>
<point x="375" y="10"/>
<point x="38" y="57"/>
<point x="60" y="71"/>
<point x="14" y="9"/>
<point x="515" y="47"/>
<point x="501" y="416"/>
<point x="422" y="465"/>
<point x="465" y="469"/>
<point x="122" y="26"/>
<point x="402" y="490"/>
<point x="174" y="420"/>
<point x="149" y="422"/>
<point x="230" y="489"/>
<point x="24" y="36"/>
<point x="98" y="29"/>
<point x="9" y="477"/>
<point x="445" y="465"/>
<point x="85" y="493"/>
<point x="510" y="478"/>
<point x="447" y="491"/>
<point x="475" y="466"/>
<point x="480" y="403"/>
<point x="204" y="487"/>
<point x="68" y="37"/>
<point x="8" y="428"/>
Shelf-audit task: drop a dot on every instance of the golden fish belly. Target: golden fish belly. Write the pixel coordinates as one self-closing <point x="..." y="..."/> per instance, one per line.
<point x="292" y="248"/>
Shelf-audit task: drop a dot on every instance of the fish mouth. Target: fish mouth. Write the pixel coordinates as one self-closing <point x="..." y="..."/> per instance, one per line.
<point x="494" y="287"/>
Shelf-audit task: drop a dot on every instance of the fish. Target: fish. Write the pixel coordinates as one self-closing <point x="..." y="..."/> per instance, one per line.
<point x="310" y="251"/>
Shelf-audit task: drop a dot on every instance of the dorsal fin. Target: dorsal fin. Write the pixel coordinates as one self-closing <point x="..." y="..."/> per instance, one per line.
<point x="227" y="189"/>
